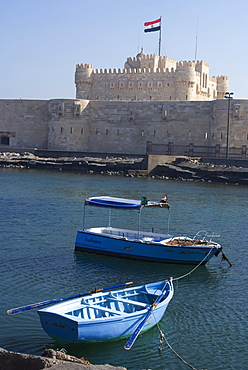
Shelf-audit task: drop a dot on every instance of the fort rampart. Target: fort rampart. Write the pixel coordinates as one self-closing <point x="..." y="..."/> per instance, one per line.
<point x="124" y="127"/>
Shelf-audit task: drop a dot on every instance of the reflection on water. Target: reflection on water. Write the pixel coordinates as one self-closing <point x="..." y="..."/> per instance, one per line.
<point x="206" y="320"/>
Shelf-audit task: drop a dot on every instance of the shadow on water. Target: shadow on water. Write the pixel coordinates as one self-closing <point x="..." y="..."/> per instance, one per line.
<point x="144" y="272"/>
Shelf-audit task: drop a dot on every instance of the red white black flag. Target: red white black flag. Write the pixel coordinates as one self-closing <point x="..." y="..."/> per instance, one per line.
<point x="152" y="26"/>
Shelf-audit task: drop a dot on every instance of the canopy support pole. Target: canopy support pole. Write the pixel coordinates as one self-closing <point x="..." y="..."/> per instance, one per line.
<point x="168" y="226"/>
<point x="84" y="216"/>
<point x="109" y="223"/>
<point x="139" y="220"/>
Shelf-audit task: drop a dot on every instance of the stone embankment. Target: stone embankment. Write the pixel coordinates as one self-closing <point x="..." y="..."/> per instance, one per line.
<point x="195" y="169"/>
<point x="85" y="164"/>
<point x="182" y="168"/>
<point x="52" y="360"/>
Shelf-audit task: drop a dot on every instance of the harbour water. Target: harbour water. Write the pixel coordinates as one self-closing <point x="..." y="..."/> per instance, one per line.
<point x="206" y="321"/>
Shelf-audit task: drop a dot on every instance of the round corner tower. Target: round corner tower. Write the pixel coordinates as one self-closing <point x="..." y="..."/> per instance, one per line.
<point x="83" y="81"/>
<point x="222" y="86"/>
<point x="185" y="78"/>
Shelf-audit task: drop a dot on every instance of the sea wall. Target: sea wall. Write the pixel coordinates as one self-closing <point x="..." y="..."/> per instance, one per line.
<point x="24" y="123"/>
<point x="134" y="127"/>
<point x="125" y="127"/>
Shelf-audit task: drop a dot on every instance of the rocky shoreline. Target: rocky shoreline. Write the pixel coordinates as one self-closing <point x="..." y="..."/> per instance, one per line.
<point x="81" y="164"/>
<point x="53" y="360"/>
<point x="176" y="168"/>
<point x="194" y="169"/>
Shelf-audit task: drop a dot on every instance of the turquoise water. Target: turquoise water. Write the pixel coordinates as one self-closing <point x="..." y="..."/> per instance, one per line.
<point x="206" y="321"/>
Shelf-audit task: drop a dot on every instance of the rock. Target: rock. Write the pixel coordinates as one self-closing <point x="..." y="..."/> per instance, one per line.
<point x="189" y="169"/>
<point x="182" y="168"/>
<point x="20" y="361"/>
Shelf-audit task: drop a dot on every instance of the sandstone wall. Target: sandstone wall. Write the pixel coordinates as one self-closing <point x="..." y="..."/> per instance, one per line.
<point x="24" y="123"/>
<point x="68" y="126"/>
<point x="125" y="127"/>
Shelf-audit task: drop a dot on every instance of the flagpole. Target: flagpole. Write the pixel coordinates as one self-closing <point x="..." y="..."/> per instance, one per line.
<point x="159" y="41"/>
<point x="196" y="38"/>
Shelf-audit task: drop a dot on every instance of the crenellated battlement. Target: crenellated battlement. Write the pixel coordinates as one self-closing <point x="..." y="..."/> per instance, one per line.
<point x="150" y="77"/>
<point x="222" y="78"/>
<point x="148" y="57"/>
<point x="84" y="66"/>
<point x="130" y="71"/>
<point x="186" y="64"/>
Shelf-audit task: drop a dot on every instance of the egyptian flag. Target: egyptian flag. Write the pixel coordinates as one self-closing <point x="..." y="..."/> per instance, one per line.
<point x="152" y="26"/>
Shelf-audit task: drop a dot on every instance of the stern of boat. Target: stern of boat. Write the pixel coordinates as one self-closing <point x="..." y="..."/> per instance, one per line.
<point x="60" y="328"/>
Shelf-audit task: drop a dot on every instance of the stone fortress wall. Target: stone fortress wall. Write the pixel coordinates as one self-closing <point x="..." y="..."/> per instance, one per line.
<point x="23" y="123"/>
<point x="128" y="126"/>
<point x="121" y="126"/>
<point x="150" y="77"/>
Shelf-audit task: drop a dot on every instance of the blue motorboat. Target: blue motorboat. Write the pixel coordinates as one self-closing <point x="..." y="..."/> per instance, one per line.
<point x="108" y="316"/>
<point x="143" y="245"/>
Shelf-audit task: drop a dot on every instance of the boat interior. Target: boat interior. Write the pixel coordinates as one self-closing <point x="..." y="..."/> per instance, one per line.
<point x="113" y="304"/>
<point x="128" y="234"/>
<point x="148" y="237"/>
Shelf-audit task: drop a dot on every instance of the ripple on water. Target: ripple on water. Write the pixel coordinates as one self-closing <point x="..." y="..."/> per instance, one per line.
<point x="206" y="320"/>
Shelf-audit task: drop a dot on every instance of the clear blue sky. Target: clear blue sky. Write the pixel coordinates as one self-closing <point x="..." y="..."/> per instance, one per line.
<point x="43" y="40"/>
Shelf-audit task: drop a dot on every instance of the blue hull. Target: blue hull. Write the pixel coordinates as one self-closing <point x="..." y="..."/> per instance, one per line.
<point x="105" y="316"/>
<point x="144" y="251"/>
<point x="67" y="331"/>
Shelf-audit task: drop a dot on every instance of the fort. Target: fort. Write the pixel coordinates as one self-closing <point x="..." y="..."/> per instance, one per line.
<point x="155" y="105"/>
<point x="150" y="77"/>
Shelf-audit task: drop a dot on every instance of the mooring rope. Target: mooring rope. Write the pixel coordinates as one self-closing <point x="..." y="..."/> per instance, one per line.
<point x="199" y="264"/>
<point x="162" y="338"/>
<point x="161" y="334"/>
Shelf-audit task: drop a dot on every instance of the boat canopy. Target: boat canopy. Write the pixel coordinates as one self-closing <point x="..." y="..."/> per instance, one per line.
<point x="113" y="202"/>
